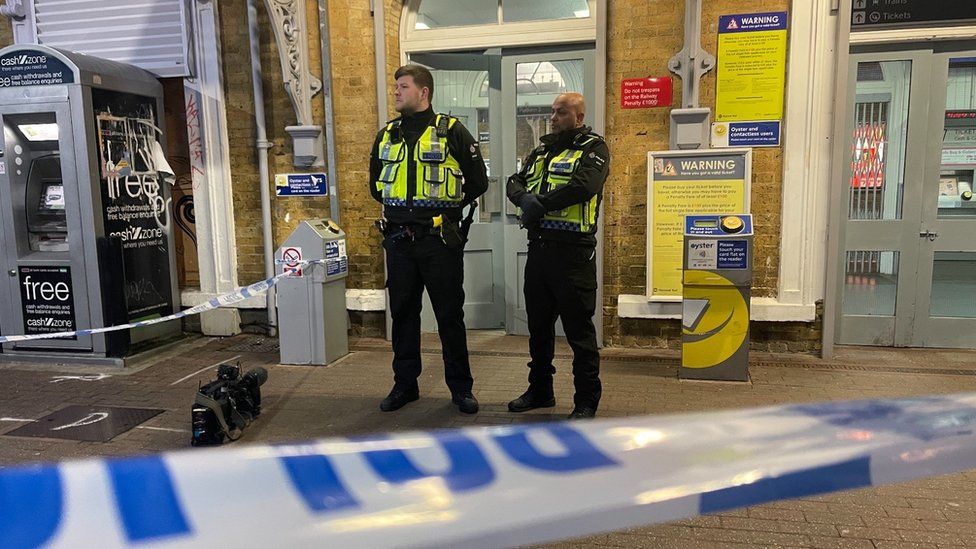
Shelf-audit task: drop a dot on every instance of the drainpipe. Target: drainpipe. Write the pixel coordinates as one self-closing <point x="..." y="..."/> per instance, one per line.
<point x="325" y="40"/>
<point x="262" y="146"/>
<point x="379" y="33"/>
<point x="379" y="36"/>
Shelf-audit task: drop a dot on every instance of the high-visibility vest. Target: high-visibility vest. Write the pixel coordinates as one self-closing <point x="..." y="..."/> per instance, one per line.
<point x="438" y="172"/>
<point x="579" y="217"/>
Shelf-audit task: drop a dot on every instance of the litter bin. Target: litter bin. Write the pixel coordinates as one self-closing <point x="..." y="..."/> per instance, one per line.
<point x="313" y="322"/>
<point x="717" y="283"/>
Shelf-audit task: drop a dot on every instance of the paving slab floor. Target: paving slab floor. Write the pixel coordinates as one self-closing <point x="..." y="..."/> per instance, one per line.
<point x="342" y="399"/>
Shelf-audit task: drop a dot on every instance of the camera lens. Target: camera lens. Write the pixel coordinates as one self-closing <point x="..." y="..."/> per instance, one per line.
<point x="254" y="377"/>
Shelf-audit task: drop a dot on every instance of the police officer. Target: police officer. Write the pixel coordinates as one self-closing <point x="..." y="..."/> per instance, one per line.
<point x="558" y="193"/>
<point x="424" y="168"/>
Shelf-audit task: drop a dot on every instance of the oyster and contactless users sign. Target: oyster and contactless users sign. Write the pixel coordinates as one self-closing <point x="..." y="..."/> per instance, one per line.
<point x="866" y="14"/>
<point x="33" y="68"/>
<point x="301" y="184"/>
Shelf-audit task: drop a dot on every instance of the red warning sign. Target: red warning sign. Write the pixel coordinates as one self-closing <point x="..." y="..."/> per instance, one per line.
<point x="292" y="261"/>
<point x="642" y="93"/>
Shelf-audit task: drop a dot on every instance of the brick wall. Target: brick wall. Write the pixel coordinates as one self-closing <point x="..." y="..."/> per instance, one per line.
<point x="6" y="33"/>
<point x="285" y="212"/>
<point x="632" y="133"/>
<point x="642" y="36"/>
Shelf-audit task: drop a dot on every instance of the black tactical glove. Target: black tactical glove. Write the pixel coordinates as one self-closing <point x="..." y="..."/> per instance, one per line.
<point x="532" y="209"/>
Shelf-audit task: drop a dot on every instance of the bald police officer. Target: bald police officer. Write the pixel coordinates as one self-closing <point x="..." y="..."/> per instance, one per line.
<point x="558" y="193"/>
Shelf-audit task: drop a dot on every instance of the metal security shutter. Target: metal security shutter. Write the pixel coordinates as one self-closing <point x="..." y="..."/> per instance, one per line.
<point x="152" y="34"/>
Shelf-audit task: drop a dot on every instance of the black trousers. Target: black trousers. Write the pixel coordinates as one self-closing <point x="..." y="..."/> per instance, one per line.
<point x="560" y="281"/>
<point x="412" y="266"/>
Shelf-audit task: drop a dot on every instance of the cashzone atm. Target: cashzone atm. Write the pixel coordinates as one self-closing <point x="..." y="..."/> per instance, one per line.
<point x="85" y="212"/>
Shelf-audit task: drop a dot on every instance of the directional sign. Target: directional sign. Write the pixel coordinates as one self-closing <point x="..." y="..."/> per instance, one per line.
<point x="301" y="184"/>
<point x="866" y="14"/>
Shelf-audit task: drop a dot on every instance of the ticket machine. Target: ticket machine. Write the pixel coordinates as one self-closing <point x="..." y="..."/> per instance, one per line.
<point x="84" y="208"/>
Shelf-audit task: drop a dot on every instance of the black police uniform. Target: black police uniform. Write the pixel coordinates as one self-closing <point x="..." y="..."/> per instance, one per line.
<point x="560" y="272"/>
<point x="417" y="257"/>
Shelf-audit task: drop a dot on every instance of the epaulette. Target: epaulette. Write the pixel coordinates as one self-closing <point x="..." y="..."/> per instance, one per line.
<point x="584" y="139"/>
<point x="393" y="127"/>
<point x="444" y="123"/>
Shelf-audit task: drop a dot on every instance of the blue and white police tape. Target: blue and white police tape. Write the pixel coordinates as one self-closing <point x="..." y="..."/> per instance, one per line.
<point x="221" y="301"/>
<point x="485" y="487"/>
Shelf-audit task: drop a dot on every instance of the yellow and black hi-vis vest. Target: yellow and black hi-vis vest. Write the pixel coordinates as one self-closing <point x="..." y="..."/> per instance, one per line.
<point x="581" y="217"/>
<point x="438" y="172"/>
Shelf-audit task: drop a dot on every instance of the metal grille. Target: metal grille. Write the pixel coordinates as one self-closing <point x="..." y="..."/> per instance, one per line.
<point x="262" y="345"/>
<point x="152" y="34"/>
<point x="88" y="423"/>
<point x="868" y="161"/>
<point x="868" y="183"/>
<point x="857" y="368"/>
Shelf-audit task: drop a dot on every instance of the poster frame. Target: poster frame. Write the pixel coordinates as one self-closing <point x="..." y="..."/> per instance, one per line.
<point x="745" y="153"/>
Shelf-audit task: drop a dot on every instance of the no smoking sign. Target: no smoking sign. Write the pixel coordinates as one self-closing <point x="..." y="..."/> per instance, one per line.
<point x="292" y="261"/>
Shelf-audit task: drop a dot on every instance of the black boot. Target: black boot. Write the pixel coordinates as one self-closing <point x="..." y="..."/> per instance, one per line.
<point x="582" y="412"/>
<point x="399" y="397"/>
<point x="531" y="400"/>
<point x="465" y="402"/>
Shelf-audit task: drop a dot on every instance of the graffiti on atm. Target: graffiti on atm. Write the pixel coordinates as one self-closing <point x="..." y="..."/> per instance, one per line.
<point x="128" y="165"/>
<point x="135" y="199"/>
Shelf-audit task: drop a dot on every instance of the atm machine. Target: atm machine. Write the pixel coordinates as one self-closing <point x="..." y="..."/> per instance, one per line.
<point x="84" y="207"/>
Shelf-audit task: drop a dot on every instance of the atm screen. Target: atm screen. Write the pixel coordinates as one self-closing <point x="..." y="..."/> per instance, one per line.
<point x="52" y="199"/>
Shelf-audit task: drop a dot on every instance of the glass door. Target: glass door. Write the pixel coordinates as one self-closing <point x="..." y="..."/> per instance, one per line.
<point x="506" y="97"/>
<point x="909" y="261"/>
<point x="467" y="86"/>
<point x="945" y="304"/>
<point x="530" y="83"/>
<point x="887" y="117"/>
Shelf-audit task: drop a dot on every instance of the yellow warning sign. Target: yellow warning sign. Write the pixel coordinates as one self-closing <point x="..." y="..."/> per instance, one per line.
<point x="751" y="76"/>
<point x="683" y="184"/>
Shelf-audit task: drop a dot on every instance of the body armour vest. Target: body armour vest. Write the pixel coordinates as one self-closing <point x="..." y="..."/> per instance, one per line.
<point x="579" y="217"/>
<point x="438" y="174"/>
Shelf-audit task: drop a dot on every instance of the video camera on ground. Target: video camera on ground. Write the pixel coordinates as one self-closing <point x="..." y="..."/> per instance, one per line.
<point x="225" y="406"/>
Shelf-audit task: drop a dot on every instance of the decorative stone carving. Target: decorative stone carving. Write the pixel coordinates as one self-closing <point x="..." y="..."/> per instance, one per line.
<point x="290" y="27"/>
<point x="14" y="9"/>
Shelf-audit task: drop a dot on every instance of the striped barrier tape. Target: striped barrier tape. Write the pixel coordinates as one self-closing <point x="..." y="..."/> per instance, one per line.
<point x="485" y="487"/>
<point x="236" y="296"/>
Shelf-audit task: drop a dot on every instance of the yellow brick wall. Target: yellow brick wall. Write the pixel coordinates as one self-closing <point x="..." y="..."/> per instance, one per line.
<point x="242" y="131"/>
<point x="6" y="33"/>
<point x="642" y="36"/>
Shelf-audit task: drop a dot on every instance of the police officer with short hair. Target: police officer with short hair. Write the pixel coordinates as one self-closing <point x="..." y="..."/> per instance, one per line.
<point x="424" y="168"/>
<point x="558" y="192"/>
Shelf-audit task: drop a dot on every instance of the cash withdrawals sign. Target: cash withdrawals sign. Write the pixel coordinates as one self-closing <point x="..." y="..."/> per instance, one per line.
<point x="751" y="76"/>
<point x="688" y="183"/>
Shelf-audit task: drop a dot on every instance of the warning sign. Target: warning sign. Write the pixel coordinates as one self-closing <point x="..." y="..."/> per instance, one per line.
<point x="641" y="93"/>
<point x="292" y="261"/>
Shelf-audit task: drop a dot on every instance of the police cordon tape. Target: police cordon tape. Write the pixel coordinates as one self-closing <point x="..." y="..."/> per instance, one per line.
<point x="485" y="487"/>
<point x="220" y="301"/>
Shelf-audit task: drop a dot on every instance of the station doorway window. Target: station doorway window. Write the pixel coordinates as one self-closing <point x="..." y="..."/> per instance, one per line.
<point x="909" y="251"/>
<point x="498" y="65"/>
